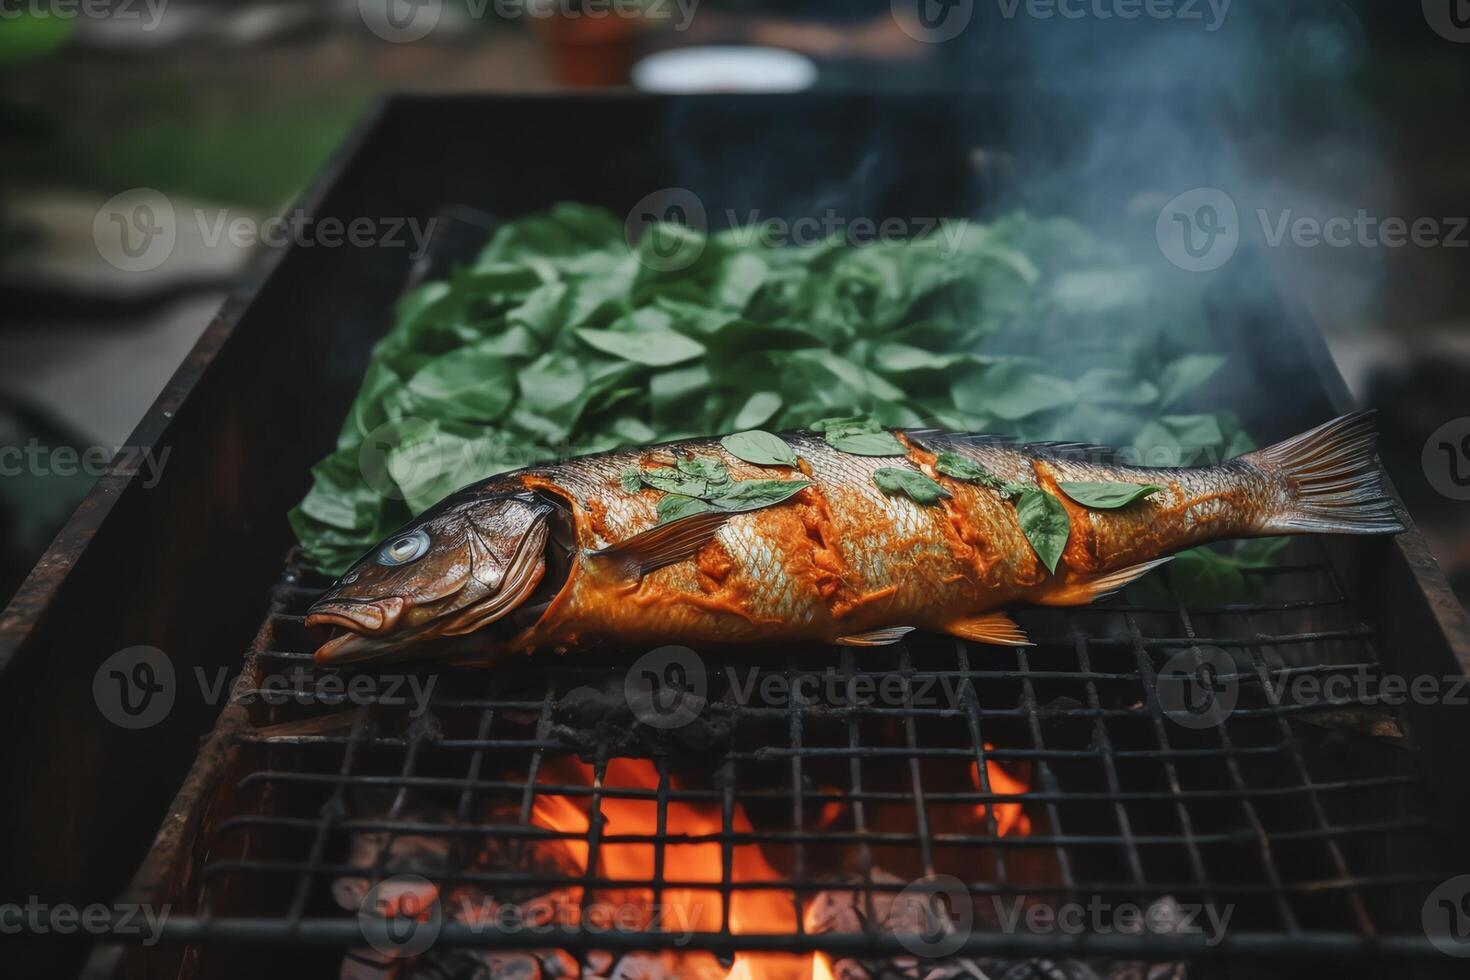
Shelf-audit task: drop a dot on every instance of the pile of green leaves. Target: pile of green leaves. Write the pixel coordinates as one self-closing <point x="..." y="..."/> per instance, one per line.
<point x="560" y="339"/>
<point x="696" y="484"/>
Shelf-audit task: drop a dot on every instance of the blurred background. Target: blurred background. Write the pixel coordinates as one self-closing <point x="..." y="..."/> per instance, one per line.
<point x="1336" y="108"/>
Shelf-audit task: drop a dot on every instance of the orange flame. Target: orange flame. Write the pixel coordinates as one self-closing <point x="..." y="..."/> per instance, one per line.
<point x="1008" y="816"/>
<point x="697" y="909"/>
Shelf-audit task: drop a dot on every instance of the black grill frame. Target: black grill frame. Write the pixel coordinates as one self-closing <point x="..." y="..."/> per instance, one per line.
<point x="1330" y="639"/>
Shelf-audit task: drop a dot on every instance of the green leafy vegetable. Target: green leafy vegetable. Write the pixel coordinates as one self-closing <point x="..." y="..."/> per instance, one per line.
<point x="869" y="444"/>
<point x="1045" y="523"/>
<point x="860" y="436"/>
<point x="559" y="340"/>
<point x="631" y="479"/>
<point x="655" y="348"/>
<point x="959" y="467"/>
<point x="911" y="483"/>
<point x="754" y="494"/>
<point x="758" y="409"/>
<point x="1181" y="376"/>
<point x="759" y="447"/>
<point x="672" y="480"/>
<point x="712" y="471"/>
<point x="673" y="506"/>
<point x="1108" y="496"/>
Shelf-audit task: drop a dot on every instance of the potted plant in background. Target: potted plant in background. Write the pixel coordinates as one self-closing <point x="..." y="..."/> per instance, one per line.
<point x="589" y="43"/>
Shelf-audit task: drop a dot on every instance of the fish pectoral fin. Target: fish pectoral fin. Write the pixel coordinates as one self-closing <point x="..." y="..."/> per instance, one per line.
<point x="664" y="544"/>
<point x="1092" y="589"/>
<point x="876" y="638"/>
<point x="991" y="627"/>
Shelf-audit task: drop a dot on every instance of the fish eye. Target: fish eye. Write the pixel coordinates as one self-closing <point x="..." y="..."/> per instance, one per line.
<point x="404" y="549"/>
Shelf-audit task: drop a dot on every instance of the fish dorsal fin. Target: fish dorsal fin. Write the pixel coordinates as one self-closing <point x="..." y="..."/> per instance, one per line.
<point x="1092" y="589"/>
<point x="937" y="439"/>
<point x="876" y="638"/>
<point x="991" y="627"/>
<point x="664" y="544"/>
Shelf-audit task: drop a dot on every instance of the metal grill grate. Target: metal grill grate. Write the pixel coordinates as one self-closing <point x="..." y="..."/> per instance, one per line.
<point x="1302" y="817"/>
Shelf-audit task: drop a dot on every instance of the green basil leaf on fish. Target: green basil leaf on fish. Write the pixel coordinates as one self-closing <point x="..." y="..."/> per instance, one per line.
<point x="911" y="483"/>
<point x="760" y="448"/>
<point x="1107" y="496"/>
<point x="1045" y="523"/>
<point x="671" y="480"/>
<point x="673" y="506"/>
<point x="712" y="471"/>
<point x="755" y="494"/>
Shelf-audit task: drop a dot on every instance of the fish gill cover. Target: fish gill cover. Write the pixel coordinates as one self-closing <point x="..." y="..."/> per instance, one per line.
<point x="560" y="340"/>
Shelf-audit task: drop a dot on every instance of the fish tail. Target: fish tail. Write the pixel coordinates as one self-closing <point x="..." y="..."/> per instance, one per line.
<point x="1331" y="479"/>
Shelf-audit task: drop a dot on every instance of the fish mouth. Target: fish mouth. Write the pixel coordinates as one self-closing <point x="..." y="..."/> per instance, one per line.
<point x="343" y="646"/>
<point x="355" y="628"/>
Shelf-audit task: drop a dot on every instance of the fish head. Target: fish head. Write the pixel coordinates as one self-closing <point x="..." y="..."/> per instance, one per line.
<point x="468" y="562"/>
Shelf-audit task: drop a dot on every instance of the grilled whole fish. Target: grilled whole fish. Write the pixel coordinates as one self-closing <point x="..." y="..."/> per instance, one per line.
<point x="566" y="556"/>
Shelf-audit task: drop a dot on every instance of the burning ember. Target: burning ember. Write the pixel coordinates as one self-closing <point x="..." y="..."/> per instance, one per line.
<point x="678" y="909"/>
<point x="638" y="850"/>
<point x="1008" y="816"/>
